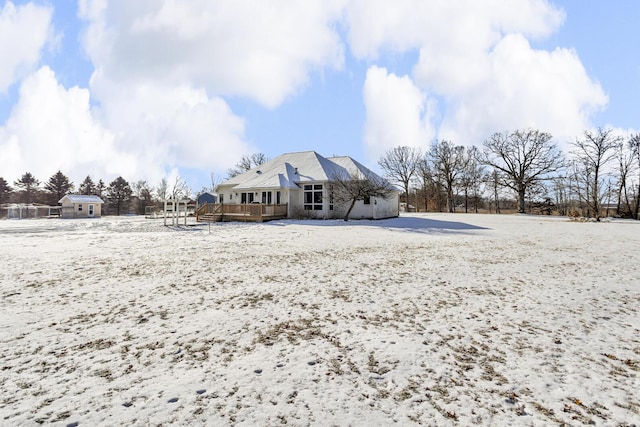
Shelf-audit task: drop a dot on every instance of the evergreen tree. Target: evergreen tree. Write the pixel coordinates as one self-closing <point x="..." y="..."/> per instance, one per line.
<point x="5" y="191"/>
<point x="87" y="187"/>
<point x="29" y="186"/>
<point x="100" y="187"/>
<point x="57" y="187"/>
<point x="118" y="195"/>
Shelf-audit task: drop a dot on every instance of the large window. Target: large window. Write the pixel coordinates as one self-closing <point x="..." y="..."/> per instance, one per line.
<point x="246" y="198"/>
<point x="313" y="197"/>
<point x="266" y="197"/>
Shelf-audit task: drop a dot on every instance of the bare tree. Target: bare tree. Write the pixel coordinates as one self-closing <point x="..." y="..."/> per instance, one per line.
<point x="425" y="179"/>
<point x="625" y="159"/>
<point x="215" y="181"/>
<point x="400" y="164"/>
<point x="494" y="180"/>
<point x="523" y="158"/>
<point x="180" y="189"/>
<point x="348" y="188"/>
<point x="580" y="186"/>
<point x="162" y="189"/>
<point x="142" y="192"/>
<point x="594" y="151"/>
<point x="448" y="162"/>
<point x="247" y="163"/>
<point x="561" y="187"/>
<point x="472" y="177"/>
<point x="634" y="145"/>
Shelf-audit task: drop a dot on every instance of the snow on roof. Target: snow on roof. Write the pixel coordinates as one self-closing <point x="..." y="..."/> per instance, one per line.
<point x="291" y="169"/>
<point x="353" y="167"/>
<point x="81" y="198"/>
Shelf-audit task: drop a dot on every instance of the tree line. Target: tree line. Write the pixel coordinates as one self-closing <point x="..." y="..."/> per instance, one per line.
<point x="119" y="195"/>
<point x="599" y="176"/>
<point x="522" y="170"/>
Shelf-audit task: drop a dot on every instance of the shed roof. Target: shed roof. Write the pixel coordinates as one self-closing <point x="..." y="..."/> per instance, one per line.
<point x="81" y="198"/>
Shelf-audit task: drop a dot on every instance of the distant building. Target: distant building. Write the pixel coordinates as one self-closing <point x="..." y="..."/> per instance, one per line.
<point x="206" y="198"/>
<point x="81" y="206"/>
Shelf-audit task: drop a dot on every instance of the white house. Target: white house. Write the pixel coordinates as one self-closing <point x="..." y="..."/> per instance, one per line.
<point x="81" y="206"/>
<point x="302" y="182"/>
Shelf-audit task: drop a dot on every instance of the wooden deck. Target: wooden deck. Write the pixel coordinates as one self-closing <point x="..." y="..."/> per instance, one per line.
<point x="253" y="212"/>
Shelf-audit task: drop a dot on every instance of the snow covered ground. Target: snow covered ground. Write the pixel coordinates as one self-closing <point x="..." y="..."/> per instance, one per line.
<point x="430" y="319"/>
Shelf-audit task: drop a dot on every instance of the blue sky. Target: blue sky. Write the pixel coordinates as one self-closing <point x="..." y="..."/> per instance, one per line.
<point x="161" y="88"/>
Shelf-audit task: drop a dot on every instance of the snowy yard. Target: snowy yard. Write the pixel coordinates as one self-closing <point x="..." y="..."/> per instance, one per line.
<point x="426" y="319"/>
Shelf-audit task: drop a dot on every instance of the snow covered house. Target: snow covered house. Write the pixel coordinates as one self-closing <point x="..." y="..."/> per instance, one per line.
<point x="81" y="206"/>
<point x="296" y="185"/>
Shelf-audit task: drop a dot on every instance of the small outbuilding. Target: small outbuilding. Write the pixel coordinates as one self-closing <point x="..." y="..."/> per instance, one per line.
<point x="81" y="206"/>
<point x="206" y="197"/>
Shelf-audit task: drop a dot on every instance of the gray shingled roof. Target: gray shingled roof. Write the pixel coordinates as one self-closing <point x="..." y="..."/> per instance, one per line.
<point x="291" y="169"/>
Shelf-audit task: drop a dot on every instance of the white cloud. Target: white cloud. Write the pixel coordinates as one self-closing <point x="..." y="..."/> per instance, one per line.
<point x="522" y="87"/>
<point x="51" y="128"/>
<point x="142" y="132"/>
<point x="24" y="31"/>
<point x="166" y="126"/>
<point x="475" y="56"/>
<point x="260" y="50"/>
<point x="440" y="26"/>
<point x="397" y="113"/>
<point x="163" y="68"/>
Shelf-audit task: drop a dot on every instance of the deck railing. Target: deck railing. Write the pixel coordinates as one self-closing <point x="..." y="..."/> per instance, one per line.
<point x="241" y="212"/>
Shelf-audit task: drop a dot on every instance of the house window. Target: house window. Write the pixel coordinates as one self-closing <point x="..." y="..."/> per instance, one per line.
<point x="80" y="208"/>
<point x="267" y="197"/>
<point x="313" y="197"/>
<point x="246" y="197"/>
<point x="221" y="197"/>
<point x="367" y="200"/>
<point x="278" y="198"/>
<point x="331" y="197"/>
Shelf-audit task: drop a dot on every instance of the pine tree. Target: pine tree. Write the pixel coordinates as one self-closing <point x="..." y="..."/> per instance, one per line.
<point x="100" y="187"/>
<point x="119" y="194"/>
<point x="57" y="187"/>
<point x="87" y="187"/>
<point x="5" y="191"/>
<point x="29" y="186"/>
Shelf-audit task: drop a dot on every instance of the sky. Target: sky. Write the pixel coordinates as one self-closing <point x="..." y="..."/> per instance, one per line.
<point x="157" y="89"/>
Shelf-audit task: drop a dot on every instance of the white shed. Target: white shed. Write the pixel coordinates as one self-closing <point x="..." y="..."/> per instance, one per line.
<point x="81" y="206"/>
